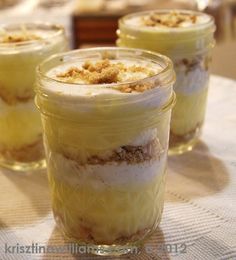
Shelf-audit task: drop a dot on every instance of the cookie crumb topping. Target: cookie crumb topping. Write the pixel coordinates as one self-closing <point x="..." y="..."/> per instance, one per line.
<point x="19" y="37"/>
<point x="172" y="19"/>
<point x="106" y="72"/>
<point x="137" y="88"/>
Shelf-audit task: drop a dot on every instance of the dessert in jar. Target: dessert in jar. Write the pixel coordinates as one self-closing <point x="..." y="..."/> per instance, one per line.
<point x="106" y="115"/>
<point x="187" y="38"/>
<point x="22" y="48"/>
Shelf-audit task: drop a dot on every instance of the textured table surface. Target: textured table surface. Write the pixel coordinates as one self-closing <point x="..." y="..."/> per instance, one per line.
<point x="199" y="220"/>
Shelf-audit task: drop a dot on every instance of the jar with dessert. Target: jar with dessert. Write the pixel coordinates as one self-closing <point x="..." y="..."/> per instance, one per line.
<point x="187" y="37"/>
<point x="106" y="116"/>
<point x="22" y="48"/>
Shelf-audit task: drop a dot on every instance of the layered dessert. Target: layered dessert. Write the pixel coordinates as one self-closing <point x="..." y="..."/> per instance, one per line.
<point x="22" y="48"/>
<point x="106" y="148"/>
<point x="187" y="38"/>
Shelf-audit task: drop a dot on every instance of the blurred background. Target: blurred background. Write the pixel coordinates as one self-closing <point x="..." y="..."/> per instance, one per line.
<point x="94" y="22"/>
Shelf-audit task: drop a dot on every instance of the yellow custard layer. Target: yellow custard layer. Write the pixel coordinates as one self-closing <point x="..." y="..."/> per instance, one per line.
<point x="189" y="112"/>
<point x="21" y="50"/>
<point x="17" y="69"/>
<point x="108" y="215"/>
<point x="19" y="125"/>
<point x="82" y="142"/>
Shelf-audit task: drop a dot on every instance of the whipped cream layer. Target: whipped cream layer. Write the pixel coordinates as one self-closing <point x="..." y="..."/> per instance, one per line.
<point x="101" y="176"/>
<point x="192" y="74"/>
<point x="167" y="20"/>
<point x="189" y="83"/>
<point x="144" y="137"/>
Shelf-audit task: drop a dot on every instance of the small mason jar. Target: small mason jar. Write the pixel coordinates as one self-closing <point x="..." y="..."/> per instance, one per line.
<point x="106" y="115"/>
<point x="187" y="38"/>
<point x="22" y="48"/>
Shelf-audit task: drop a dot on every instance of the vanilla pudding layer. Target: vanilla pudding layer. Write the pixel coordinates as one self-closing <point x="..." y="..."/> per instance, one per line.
<point x="19" y="124"/>
<point x="21" y="131"/>
<point x="115" y="214"/>
<point x="20" y="128"/>
<point x="194" y="114"/>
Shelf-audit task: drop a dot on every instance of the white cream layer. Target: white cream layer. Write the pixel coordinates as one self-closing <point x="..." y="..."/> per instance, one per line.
<point x="103" y="176"/>
<point x="92" y="95"/>
<point x="192" y="81"/>
<point x="144" y="137"/>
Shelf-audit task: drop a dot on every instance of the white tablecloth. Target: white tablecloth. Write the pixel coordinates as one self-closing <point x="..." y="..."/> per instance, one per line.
<point x="199" y="220"/>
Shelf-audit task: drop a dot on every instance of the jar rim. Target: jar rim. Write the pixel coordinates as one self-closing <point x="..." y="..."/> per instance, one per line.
<point x="59" y="30"/>
<point x="208" y="24"/>
<point x="138" y="52"/>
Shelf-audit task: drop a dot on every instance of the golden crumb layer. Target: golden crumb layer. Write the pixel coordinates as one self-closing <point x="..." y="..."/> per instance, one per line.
<point x="104" y="72"/>
<point x="137" y="88"/>
<point x="177" y="139"/>
<point x="12" y="99"/>
<point x="28" y="153"/>
<point x="172" y="19"/>
<point x="129" y="154"/>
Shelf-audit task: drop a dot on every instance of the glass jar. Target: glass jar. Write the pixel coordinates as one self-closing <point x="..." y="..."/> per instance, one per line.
<point x="189" y="46"/>
<point x="22" y="48"/>
<point x="106" y="148"/>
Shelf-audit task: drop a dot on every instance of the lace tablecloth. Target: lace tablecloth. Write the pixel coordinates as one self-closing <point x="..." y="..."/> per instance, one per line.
<point x="199" y="220"/>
